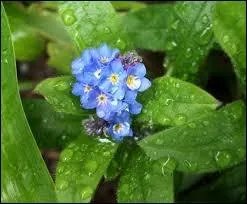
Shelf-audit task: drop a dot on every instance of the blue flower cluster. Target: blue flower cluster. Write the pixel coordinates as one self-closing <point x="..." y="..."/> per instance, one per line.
<point x="109" y="83"/>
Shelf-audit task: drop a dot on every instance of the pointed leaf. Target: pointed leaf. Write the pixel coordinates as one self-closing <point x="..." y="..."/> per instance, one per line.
<point x="145" y="180"/>
<point x="210" y="143"/>
<point x="170" y="102"/>
<point x="81" y="167"/>
<point x="51" y="129"/>
<point x="25" y="177"/>
<point x="58" y="92"/>
<point x="91" y="23"/>
<point x="191" y="39"/>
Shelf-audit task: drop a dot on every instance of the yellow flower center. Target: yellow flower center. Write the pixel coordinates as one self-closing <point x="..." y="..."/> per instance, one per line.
<point x="133" y="82"/>
<point x="87" y="88"/>
<point x="102" y="98"/>
<point x="118" y="127"/>
<point x="114" y="78"/>
<point x="104" y="59"/>
<point x="130" y="80"/>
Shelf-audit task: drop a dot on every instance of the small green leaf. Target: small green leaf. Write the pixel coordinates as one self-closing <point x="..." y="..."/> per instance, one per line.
<point x="229" y="25"/>
<point x="81" y="167"/>
<point x="230" y="187"/>
<point x="58" y="92"/>
<point x="191" y="39"/>
<point x="170" y="102"/>
<point x="51" y="129"/>
<point x="150" y="34"/>
<point x="91" y="23"/>
<point x="145" y="180"/>
<point x="60" y="58"/>
<point x="209" y="143"/>
<point x="25" y="177"/>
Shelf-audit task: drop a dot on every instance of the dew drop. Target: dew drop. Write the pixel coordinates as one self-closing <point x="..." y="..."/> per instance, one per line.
<point x="170" y="163"/>
<point x="205" y="36"/>
<point x="91" y="166"/>
<point x="175" y="25"/>
<point x="205" y="123"/>
<point x="171" y="45"/>
<point x="166" y="120"/>
<point x="147" y="176"/>
<point x="86" y="193"/>
<point x="188" y="53"/>
<point x="168" y="101"/>
<point x="159" y="142"/>
<point x="225" y="39"/>
<point x="120" y="43"/>
<point x="68" y="17"/>
<point x="192" y="125"/>
<point x="205" y="19"/>
<point x="63" y="185"/>
<point x="68" y="155"/>
<point x="241" y="152"/>
<point x="234" y="48"/>
<point x="181" y="119"/>
<point x="223" y="158"/>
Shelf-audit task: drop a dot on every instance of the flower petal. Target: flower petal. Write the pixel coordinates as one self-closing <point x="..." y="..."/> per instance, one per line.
<point x="77" y="89"/>
<point x="135" y="108"/>
<point x="145" y="84"/>
<point x="116" y="66"/>
<point x="130" y="96"/>
<point x="137" y="70"/>
<point x="77" y="66"/>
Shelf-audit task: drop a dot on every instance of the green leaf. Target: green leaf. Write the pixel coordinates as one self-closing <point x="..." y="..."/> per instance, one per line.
<point x="51" y="129"/>
<point x="60" y="58"/>
<point x="170" y="102"/>
<point x="145" y="180"/>
<point x="120" y="159"/>
<point x="127" y="5"/>
<point x="191" y="39"/>
<point x="81" y="167"/>
<point x="209" y="143"/>
<point x="58" y="92"/>
<point x="229" y="187"/>
<point x="229" y="25"/>
<point x="91" y="23"/>
<point x="150" y="34"/>
<point x="25" y="177"/>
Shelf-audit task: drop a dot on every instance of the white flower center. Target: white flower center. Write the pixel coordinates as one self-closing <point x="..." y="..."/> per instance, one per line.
<point x="97" y="73"/>
<point x="104" y="59"/>
<point x="87" y="88"/>
<point x="102" y="99"/>
<point x="117" y="128"/>
<point x="133" y="82"/>
<point x="114" y="78"/>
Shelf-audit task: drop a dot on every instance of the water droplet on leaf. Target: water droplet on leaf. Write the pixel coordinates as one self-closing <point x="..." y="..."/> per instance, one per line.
<point x="68" y="17"/>
<point x="223" y="158"/>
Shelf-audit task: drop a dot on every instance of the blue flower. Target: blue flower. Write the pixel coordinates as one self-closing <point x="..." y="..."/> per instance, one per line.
<point x="104" y="54"/>
<point x="135" y="80"/>
<point x="110" y="84"/>
<point x="120" y="126"/>
<point x="113" y="82"/>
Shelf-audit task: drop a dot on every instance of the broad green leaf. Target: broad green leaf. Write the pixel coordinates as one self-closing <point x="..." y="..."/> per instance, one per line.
<point x="91" y="23"/>
<point x="51" y="129"/>
<point x="212" y="142"/>
<point x="60" y="58"/>
<point x="127" y="5"/>
<point x="229" y="187"/>
<point x="148" y="27"/>
<point x="81" y="167"/>
<point x="47" y="24"/>
<point x="170" y="102"/>
<point x="25" y="177"/>
<point x="191" y="39"/>
<point x="58" y="92"/>
<point x="145" y="180"/>
<point x="229" y="25"/>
